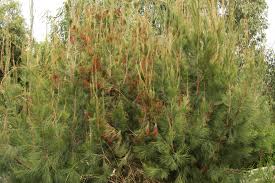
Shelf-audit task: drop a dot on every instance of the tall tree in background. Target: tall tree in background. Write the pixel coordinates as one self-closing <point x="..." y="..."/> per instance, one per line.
<point x="254" y="14"/>
<point x="270" y="78"/>
<point x="12" y="35"/>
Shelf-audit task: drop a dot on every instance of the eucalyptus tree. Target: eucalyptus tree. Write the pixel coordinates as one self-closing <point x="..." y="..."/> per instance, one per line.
<point x="12" y="34"/>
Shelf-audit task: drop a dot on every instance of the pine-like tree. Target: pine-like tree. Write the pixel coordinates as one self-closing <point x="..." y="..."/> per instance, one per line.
<point x="138" y="93"/>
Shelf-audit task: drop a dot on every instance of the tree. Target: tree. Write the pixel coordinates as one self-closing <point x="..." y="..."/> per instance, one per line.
<point x="120" y="101"/>
<point x="249" y="13"/>
<point x="270" y="75"/>
<point x="12" y="35"/>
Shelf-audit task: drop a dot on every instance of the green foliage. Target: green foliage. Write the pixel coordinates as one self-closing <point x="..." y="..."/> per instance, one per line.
<point x="270" y="75"/>
<point x="252" y="14"/>
<point x="118" y="98"/>
<point x="12" y="35"/>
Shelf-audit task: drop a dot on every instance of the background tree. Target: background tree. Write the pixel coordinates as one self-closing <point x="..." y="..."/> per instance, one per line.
<point x="270" y="59"/>
<point x="249" y="13"/>
<point x="12" y="35"/>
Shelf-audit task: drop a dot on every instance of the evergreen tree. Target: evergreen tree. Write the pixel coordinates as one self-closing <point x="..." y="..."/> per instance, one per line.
<point x="126" y="99"/>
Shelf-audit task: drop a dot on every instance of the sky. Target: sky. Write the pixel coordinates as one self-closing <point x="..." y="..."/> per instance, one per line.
<point x="41" y="7"/>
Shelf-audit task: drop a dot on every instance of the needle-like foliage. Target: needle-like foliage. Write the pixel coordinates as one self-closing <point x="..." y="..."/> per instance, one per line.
<point x="137" y="92"/>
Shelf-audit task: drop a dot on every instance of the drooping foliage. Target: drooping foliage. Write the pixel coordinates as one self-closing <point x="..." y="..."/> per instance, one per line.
<point x="133" y="94"/>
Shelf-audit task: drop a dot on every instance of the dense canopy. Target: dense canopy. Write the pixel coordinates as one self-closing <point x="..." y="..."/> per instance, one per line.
<point x="139" y="91"/>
